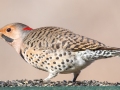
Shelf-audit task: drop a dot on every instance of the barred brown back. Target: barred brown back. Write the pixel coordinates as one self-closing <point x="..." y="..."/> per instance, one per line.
<point x="59" y="38"/>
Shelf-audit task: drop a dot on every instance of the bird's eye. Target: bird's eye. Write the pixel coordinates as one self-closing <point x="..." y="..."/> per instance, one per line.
<point x="9" y="29"/>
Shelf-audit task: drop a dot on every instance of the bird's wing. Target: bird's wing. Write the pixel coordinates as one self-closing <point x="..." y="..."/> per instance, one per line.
<point x="59" y="38"/>
<point x="80" y="43"/>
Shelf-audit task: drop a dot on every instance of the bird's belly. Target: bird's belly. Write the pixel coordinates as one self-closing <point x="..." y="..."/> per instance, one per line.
<point x="56" y="61"/>
<point x="77" y="66"/>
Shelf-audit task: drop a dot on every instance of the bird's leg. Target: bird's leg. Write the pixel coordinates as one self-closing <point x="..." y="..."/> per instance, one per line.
<point x="76" y="74"/>
<point x="50" y="76"/>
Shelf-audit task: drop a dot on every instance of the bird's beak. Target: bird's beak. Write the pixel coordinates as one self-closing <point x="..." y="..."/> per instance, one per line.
<point x="0" y="34"/>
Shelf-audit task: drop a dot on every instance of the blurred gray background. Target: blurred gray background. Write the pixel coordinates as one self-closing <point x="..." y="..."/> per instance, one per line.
<point x="97" y="19"/>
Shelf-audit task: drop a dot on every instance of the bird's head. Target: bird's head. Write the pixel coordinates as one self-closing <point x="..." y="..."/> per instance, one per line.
<point x="14" y="33"/>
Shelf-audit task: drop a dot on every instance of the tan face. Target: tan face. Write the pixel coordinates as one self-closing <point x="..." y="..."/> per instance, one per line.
<point x="9" y="32"/>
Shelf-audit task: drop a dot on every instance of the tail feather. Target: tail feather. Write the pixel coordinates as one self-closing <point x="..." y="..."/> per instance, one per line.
<point x="90" y="55"/>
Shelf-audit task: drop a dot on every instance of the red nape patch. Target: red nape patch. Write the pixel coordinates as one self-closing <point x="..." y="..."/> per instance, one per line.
<point x="27" y="28"/>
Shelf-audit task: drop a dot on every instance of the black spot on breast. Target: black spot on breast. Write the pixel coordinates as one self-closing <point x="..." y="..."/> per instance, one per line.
<point x="67" y="60"/>
<point x="59" y="65"/>
<point x="60" y="69"/>
<point x="51" y="66"/>
<point x="57" y="58"/>
<point x="64" y="53"/>
<point x="64" y="66"/>
<point x="47" y="58"/>
<point x="54" y="62"/>
<point x="60" y="55"/>
<point x="45" y="61"/>
<point x="36" y="61"/>
<point x="55" y="67"/>
<point x="62" y="63"/>
<point x="31" y="58"/>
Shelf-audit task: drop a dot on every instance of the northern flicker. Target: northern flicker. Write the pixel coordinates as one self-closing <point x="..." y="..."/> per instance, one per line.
<point x="54" y="49"/>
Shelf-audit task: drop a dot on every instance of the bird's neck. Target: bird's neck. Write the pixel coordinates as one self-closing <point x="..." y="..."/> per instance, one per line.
<point x="17" y="44"/>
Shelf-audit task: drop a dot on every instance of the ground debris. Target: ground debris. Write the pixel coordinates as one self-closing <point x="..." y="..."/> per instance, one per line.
<point x="39" y="83"/>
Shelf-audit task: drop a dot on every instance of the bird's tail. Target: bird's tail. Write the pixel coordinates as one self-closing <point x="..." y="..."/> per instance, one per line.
<point x="101" y="53"/>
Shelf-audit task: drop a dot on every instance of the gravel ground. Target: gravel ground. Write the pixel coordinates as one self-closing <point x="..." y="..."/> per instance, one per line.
<point x="39" y="83"/>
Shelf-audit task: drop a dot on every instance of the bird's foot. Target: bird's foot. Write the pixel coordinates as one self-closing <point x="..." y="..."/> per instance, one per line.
<point x="46" y="81"/>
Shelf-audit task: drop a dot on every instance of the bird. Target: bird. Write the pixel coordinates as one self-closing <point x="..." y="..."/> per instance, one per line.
<point x="54" y="49"/>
